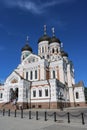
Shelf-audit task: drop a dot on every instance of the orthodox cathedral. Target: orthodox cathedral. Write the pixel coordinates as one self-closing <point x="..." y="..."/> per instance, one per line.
<point x="45" y="80"/>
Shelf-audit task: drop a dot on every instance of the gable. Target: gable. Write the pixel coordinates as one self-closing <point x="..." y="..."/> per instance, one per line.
<point x="13" y="78"/>
<point x="31" y="59"/>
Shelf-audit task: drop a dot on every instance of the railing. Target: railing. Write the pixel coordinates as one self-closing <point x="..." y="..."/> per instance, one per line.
<point x="55" y="116"/>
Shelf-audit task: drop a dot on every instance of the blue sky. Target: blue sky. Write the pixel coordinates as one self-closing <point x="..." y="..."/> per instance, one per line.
<point x="19" y="18"/>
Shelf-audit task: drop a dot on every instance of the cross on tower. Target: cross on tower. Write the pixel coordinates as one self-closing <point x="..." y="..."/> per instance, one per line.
<point x="53" y="31"/>
<point x="27" y="38"/>
<point x="45" y="29"/>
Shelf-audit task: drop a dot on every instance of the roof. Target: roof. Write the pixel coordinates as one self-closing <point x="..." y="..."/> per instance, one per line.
<point x="45" y="37"/>
<point x="63" y="53"/>
<point x="26" y="48"/>
<point x="54" y="39"/>
<point x="79" y="84"/>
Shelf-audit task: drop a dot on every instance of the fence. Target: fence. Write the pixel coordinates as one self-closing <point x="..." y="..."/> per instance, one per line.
<point x="46" y="115"/>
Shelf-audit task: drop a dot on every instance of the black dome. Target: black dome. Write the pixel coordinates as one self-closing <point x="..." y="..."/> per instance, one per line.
<point x="26" y="48"/>
<point x="64" y="54"/>
<point x="44" y="38"/>
<point x="54" y="39"/>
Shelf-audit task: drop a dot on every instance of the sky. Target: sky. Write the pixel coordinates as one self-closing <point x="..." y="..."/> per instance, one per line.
<point x="22" y="18"/>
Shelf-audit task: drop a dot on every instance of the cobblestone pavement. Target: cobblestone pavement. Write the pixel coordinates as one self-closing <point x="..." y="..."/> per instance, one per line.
<point x="11" y="123"/>
<point x="17" y="123"/>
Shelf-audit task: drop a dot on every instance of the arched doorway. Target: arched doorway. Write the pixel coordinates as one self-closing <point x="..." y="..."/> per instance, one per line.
<point x="13" y="94"/>
<point x="16" y="94"/>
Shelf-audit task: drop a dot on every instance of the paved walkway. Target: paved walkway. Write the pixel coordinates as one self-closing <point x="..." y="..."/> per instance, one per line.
<point x="11" y="123"/>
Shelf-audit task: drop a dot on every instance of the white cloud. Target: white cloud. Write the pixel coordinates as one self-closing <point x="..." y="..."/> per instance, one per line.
<point x="34" y="6"/>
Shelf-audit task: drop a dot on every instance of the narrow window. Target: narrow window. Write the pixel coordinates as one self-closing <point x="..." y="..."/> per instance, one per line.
<point x="35" y="74"/>
<point x="42" y="49"/>
<point x="27" y="75"/>
<point x="31" y="75"/>
<point x="26" y="93"/>
<point x="57" y="50"/>
<point x="43" y="57"/>
<point x="53" y="50"/>
<point x="47" y="56"/>
<point x="1" y="95"/>
<point x="40" y="93"/>
<point x="23" y="58"/>
<point x="34" y="93"/>
<point x="46" y="92"/>
<point x="53" y="74"/>
<point x="77" y="95"/>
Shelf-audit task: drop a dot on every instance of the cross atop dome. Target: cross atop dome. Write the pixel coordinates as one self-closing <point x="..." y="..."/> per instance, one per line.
<point x="53" y="31"/>
<point x="27" y="38"/>
<point x="45" y="29"/>
<point x="26" y="46"/>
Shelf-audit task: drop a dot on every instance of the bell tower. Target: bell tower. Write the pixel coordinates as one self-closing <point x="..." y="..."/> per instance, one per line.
<point x="43" y="45"/>
<point x="54" y="46"/>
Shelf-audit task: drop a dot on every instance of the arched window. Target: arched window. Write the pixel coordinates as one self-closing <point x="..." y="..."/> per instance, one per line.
<point x="77" y="95"/>
<point x="46" y="92"/>
<point x="40" y="93"/>
<point x="34" y="93"/>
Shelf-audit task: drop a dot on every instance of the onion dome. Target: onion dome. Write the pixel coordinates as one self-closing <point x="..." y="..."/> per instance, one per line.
<point x="54" y="39"/>
<point x="64" y="53"/>
<point x="45" y="37"/>
<point x="26" y="47"/>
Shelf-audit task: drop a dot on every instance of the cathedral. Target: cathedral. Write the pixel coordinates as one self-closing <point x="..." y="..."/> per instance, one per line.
<point x="43" y="81"/>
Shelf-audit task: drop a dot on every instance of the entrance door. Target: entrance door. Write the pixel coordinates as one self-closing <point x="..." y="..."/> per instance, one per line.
<point x="13" y="94"/>
<point x="16" y="94"/>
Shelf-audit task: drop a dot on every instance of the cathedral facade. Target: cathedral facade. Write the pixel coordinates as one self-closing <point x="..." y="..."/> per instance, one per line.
<point x="45" y="80"/>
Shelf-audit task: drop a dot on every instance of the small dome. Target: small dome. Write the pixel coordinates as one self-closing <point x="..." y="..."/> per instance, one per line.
<point x="64" y="54"/>
<point x="44" y="38"/>
<point x="54" y="39"/>
<point x="26" y="48"/>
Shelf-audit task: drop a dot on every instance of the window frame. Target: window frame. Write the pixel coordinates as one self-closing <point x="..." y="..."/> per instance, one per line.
<point x="46" y="92"/>
<point x="26" y="75"/>
<point x="40" y="93"/>
<point x="54" y="74"/>
<point x="34" y="93"/>
<point x="77" y="95"/>
<point x="31" y="75"/>
<point x="35" y="74"/>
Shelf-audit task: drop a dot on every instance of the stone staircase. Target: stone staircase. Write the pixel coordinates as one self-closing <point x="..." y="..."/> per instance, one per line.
<point x="9" y="105"/>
